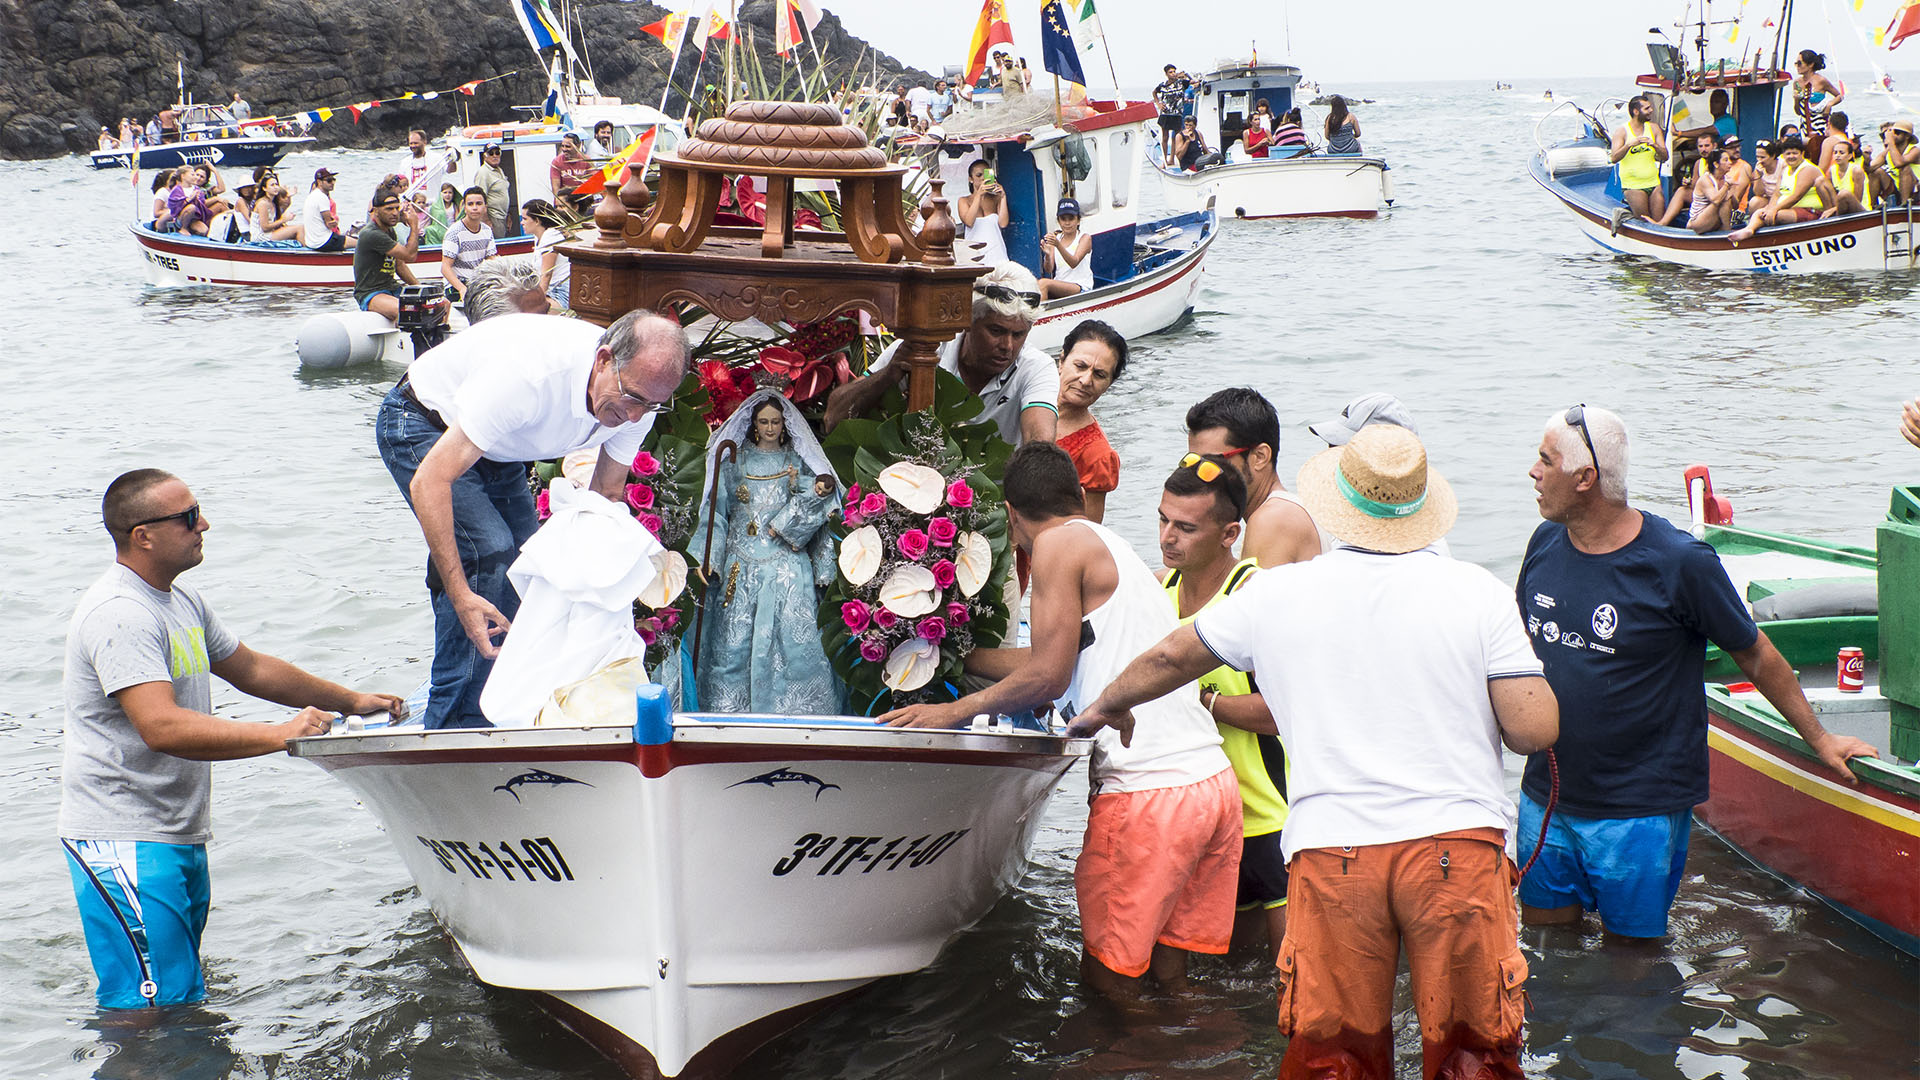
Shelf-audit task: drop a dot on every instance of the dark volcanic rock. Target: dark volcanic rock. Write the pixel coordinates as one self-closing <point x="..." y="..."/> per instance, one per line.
<point x="73" y="66"/>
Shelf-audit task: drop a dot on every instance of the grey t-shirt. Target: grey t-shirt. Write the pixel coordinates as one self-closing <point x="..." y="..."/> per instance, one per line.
<point x="112" y="785"/>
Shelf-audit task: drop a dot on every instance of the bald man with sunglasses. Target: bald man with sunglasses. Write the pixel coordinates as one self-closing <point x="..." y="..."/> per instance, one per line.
<point x="136" y="773"/>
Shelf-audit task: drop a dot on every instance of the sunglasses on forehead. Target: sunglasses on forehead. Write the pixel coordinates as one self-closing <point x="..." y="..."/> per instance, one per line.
<point x="1576" y="417"/>
<point x="1207" y="471"/>
<point x="190" y="517"/>
<point x="1006" y="295"/>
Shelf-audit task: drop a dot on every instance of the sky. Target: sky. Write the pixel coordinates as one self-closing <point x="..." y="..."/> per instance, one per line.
<point x="1349" y="41"/>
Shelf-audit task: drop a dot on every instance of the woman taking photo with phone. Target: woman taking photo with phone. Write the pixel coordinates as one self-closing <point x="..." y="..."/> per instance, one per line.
<point x="984" y="212"/>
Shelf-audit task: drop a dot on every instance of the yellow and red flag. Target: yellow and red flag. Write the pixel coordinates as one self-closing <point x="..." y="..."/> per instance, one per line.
<point x="786" y="28"/>
<point x="713" y="25"/>
<point x="991" y="30"/>
<point x="1905" y="24"/>
<point x="640" y="150"/>
<point x="670" y="30"/>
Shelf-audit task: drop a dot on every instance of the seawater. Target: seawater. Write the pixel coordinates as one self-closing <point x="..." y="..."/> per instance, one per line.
<point x="1474" y="300"/>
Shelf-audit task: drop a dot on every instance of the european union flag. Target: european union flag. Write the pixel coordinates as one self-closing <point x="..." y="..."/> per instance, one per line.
<point x="1057" y="53"/>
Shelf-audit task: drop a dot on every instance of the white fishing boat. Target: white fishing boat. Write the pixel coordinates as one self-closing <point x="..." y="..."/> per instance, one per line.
<point x="1289" y="182"/>
<point x="679" y="889"/>
<point x="1578" y="173"/>
<point x="209" y="134"/>
<point x="173" y="259"/>
<point x="1146" y="274"/>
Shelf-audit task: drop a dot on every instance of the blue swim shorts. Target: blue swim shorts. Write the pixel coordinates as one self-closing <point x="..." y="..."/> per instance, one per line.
<point x="368" y="299"/>
<point x="143" y="907"/>
<point x="1627" y="869"/>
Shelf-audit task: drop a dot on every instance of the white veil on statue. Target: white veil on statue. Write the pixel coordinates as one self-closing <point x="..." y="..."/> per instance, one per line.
<point x="738" y="429"/>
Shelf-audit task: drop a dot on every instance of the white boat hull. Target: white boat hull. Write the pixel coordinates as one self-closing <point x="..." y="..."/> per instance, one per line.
<point x="681" y="903"/>
<point x="175" y="259"/>
<point x="1319" y="185"/>
<point x="1147" y="303"/>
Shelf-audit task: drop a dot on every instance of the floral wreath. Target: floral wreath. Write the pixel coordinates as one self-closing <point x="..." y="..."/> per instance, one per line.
<point x="924" y="550"/>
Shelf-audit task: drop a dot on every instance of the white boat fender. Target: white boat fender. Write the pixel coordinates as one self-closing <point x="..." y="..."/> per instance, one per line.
<point x="1386" y="185"/>
<point x="340" y="339"/>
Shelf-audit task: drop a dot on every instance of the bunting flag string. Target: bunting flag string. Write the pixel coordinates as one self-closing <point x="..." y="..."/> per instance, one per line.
<point x="314" y="117"/>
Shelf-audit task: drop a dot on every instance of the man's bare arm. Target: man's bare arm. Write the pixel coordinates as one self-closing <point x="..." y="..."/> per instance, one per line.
<point x="1526" y="711"/>
<point x="1248" y="712"/>
<point x="1038" y="424"/>
<point x="1178" y="659"/>
<point x="164" y="725"/>
<point x="858" y="397"/>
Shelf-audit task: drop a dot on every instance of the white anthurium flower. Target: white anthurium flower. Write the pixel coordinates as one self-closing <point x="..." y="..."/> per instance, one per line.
<point x="579" y="465"/>
<point x="911" y="664"/>
<point x="860" y="555"/>
<point x="910" y="592"/>
<point x="669" y="579"/>
<point x="916" y="487"/>
<point x="972" y="562"/>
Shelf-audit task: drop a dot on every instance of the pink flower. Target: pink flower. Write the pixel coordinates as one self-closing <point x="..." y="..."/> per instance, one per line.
<point x="645" y="464"/>
<point x="884" y="619"/>
<point x="872" y="650"/>
<point x="873" y="504"/>
<point x="669" y="617"/>
<point x="640" y="496"/>
<point x="649" y="630"/>
<point x="959" y="495"/>
<point x="650" y="522"/>
<point x="856" y="615"/>
<point x="931" y="628"/>
<point x="942" y="531"/>
<point x="942" y="572"/>
<point x="957" y="614"/>
<point x="543" y="505"/>
<point x="913" y="543"/>
<point x="853" y="499"/>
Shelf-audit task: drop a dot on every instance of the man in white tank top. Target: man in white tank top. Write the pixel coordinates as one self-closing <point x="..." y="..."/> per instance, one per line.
<point x="1159" y="868"/>
<point x="1240" y="425"/>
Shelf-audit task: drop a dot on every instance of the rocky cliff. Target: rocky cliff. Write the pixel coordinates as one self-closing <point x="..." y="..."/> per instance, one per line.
<point x="73" y="66"/>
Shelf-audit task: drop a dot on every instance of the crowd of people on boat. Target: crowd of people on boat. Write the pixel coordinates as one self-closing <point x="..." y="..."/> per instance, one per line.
<point x="1240" y="797"/>
<point x="167" y="126"/>
<point x="1813" y="169"/>
<point x="1261" y="134"/>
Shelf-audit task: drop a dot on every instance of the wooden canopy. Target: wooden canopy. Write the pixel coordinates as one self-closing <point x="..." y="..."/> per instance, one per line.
<point x="666" y="252"/>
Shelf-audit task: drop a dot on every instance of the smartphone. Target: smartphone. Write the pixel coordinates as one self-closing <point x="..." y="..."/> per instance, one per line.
<point x="989" y="179"/>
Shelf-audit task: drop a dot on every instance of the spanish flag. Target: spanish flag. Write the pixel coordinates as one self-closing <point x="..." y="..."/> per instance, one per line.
<point x="1905" y="24"/>
<point x="640" y="150"/>
<point x="991" y="30"/>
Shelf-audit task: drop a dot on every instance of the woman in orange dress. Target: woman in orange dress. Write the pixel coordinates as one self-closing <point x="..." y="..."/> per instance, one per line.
<point x="1093" y="357"/>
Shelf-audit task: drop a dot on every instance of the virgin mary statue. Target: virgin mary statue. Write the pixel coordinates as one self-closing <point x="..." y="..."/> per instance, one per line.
<point x="771" y="553"/>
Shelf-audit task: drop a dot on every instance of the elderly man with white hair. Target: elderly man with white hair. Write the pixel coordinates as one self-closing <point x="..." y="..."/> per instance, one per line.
<point x="1019" y="385"/>
<point x="1620" y="606"/>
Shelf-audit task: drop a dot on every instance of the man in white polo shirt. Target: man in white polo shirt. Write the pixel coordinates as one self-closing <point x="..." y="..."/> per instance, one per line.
<point x="1019" y="386"/>
<point x="1393" y="674"/>
<point x="457" y="432"/>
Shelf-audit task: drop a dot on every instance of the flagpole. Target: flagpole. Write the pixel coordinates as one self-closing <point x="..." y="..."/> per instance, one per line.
<point x="672" y="68"/>
<point x="733" y="35"/>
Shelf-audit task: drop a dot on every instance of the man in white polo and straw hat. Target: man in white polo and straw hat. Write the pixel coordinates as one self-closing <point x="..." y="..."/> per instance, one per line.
<point x="1393" y="673"/>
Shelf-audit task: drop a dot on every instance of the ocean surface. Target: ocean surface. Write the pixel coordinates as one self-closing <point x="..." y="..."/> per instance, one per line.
<point x="1474" y="300"/>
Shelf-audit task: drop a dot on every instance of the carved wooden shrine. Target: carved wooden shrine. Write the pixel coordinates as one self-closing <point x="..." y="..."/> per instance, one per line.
<point x="663" y="252"/>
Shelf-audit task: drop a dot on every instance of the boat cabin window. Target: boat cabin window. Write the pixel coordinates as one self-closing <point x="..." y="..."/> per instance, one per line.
<point x="1121" y="167"/>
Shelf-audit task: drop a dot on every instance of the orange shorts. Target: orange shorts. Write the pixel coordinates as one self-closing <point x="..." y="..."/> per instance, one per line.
<point x="1160" y="866"/>
<point x="1447" y="900"/>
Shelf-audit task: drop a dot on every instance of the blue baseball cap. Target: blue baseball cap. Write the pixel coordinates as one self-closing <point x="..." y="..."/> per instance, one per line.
<point x="1067" y="206"/>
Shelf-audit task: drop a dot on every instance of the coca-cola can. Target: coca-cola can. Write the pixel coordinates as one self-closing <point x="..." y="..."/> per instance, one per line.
<point x="1853" y="670"/>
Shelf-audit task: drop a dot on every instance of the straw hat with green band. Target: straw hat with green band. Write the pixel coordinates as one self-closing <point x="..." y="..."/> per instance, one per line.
<point x="1377" y="493"/>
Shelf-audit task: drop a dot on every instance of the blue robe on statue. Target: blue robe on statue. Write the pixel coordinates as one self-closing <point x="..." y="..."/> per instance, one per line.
<point x="760" y="650"/>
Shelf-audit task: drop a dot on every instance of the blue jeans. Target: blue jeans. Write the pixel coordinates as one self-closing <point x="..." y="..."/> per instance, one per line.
<point x="493" y="514"/>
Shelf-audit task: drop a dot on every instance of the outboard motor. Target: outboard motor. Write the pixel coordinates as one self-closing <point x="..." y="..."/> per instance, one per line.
<point x="423" y="315"/>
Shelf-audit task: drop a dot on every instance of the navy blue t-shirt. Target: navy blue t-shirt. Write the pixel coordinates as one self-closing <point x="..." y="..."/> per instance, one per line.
<point x="1622" y="637"/>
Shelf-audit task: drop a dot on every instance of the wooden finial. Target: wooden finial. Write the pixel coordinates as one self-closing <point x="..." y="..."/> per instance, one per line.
<point x="635" y="196"/>
<point x="937" y="234"/>
<point x="610" y="217"/>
